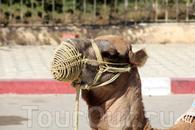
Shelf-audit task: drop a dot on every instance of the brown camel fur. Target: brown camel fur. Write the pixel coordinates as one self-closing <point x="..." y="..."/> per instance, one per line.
<point x="118" y="105"/>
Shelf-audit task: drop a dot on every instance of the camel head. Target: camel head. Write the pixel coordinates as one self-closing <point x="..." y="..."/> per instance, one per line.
<point x="105" y="68"/>
<point x="114" y="51"/>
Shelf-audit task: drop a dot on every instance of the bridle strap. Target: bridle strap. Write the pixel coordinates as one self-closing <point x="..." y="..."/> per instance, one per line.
<point x="103" y="67"/>
<point x="99" y="58"/>
<point x="97" y="52"/>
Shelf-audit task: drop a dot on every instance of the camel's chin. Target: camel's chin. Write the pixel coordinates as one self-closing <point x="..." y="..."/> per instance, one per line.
<point x="74" y="84"/>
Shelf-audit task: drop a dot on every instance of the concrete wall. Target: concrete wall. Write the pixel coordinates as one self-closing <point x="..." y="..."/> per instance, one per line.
<point x="152" y="34"/>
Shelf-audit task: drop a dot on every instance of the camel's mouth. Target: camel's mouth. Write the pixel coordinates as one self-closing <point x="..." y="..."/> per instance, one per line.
<point x="67" y="63"/>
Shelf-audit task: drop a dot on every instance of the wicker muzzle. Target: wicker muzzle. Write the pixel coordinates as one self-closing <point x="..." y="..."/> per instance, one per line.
<point x="67" y="63"/>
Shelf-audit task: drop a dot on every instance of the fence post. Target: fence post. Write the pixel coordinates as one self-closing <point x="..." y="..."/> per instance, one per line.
<point x="125" y="14"/>
<point x="105" y="4"/>
<point x="177" y="10"/>
<point x="135" y="20"/>
<point x="84" y="11"/>
<point x="111" y="11"/>
<point x="0" y="12"/>
<point x="63" y="8"/>
<point x="187" y="11"/>
<point x="21" y="11"/>
<point x="94" y="11"/>
<point x="32" y="9"/>
<point x="53" y="11"/>
<point x="135" y="5"/>
<point x="73" y="10"/>
<point x="10" y="15"/>
<point x="115" y="9"/>
<point x="166" y="13"/>
<point x="105" y="9"/>
<point x="43" y="12"/>
<point x="156" y="10"/>
<point x="146" y="3"/>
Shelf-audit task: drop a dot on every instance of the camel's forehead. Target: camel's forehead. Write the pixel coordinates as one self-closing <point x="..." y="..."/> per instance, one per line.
<point x="122" y="45"/>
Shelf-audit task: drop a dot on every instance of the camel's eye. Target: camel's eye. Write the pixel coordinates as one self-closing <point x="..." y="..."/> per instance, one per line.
<point x="106" y="54"/>
<point x="109" y="55"/>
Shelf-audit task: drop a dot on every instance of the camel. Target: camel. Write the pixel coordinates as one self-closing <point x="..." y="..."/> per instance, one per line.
<point x="117" y="105"/>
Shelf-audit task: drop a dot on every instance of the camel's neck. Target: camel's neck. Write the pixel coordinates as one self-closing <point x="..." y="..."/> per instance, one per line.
<point x="118" y="108"/>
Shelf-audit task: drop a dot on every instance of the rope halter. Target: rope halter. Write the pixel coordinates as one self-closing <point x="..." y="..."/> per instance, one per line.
<point x="67" y="65"/>
<point x="103" y="67"/>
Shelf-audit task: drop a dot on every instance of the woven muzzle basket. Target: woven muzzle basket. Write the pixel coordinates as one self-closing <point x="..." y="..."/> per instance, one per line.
<point x="67" y="63"/>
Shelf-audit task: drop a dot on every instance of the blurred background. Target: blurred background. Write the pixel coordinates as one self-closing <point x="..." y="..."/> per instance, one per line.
<point x="45" y="21"/>
<point x="94" y="12"/>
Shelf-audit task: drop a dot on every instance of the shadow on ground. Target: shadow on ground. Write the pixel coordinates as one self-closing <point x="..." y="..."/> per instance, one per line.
<point x="11" y="120"/>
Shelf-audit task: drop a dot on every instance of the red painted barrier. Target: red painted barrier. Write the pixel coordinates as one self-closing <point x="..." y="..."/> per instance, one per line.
<point x="183" y="85"/>
<point x="68" y="35"/>
<point x="35" y="86"/>
<point x="50" y="86"/>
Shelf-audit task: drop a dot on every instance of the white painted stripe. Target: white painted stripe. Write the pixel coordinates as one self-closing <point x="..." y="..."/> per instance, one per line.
<point x="156" y="86"/>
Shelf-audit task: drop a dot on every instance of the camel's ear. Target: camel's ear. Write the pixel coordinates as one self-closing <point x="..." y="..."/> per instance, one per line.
<point x="138" y="58"/>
